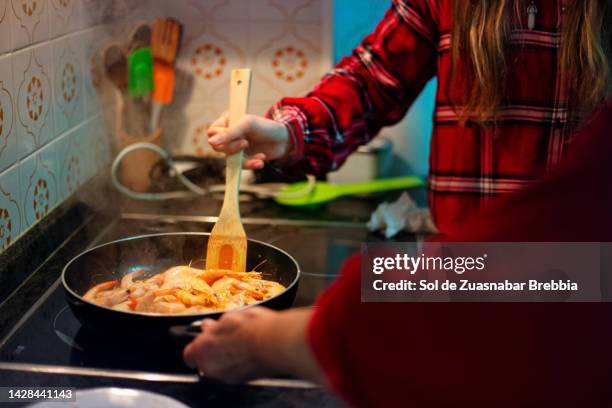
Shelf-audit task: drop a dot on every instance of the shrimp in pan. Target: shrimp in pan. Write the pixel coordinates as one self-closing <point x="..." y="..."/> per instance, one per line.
<point x="183" y="290"/>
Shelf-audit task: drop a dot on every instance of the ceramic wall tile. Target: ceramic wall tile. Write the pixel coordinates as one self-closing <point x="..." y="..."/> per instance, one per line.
<point x="95" y="140"/>
<point x="229" y="10"/>
<point x="293" y="11"/>
<point x="196" y="17"/>
<point x="8" y="142"/>
<point x="6" y="17"/>
<point x="67" y="83"/>
<point x="30" y="23"/>
<point x="72" y="161"/>
<point x="51" y="73"/>
<point x="95" y="12"/>
<point x="92" y="43"/>
<point x="195" y="126"/>
<point x="65" y="16"/>
<point x="211" y="56"/>
<point x="285" y="61"/>
<point x="38" y="183"/>
<point x="32" y="74"/>
<point x="271" y="10"/>
<point x="10" y="207"/>
<point x="313" y="12"/>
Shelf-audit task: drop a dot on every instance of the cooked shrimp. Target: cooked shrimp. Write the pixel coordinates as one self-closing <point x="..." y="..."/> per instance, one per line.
<point x="190" y="299"/>
<point x="125" y="306"/>
<point x="92" y="293"/>
<point x="128" y="280"/>
<point x="144" y="303"/>
<point x="113" y="297"/>
<point x="169" y="307"/>
<point x="184" y="290"/>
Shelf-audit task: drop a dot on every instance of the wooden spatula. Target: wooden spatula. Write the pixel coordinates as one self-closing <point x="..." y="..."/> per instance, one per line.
<point x="227" y="244"/>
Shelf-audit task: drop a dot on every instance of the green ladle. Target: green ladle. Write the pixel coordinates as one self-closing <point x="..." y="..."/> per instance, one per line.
<point x="324" y="192"/>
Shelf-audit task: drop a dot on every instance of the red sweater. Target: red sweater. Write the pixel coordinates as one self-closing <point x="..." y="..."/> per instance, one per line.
<point x="469" y="166"/>
<point x="494" y="354"/>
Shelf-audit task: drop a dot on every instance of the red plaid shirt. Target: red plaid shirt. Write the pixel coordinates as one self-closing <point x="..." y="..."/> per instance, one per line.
<point x="469" y="165"/>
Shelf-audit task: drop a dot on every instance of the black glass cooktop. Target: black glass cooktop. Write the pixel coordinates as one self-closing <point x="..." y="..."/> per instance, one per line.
<point x="51" y="335"/>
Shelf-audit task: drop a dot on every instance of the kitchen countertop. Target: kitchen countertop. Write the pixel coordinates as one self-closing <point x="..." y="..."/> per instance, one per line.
<point x="37" y="260"/>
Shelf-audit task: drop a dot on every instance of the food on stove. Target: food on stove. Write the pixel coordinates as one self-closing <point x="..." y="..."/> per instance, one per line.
<point x="184" y="290"/>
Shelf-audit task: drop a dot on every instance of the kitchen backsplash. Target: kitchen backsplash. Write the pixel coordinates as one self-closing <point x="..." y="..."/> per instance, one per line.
<point x="52" y="137"/>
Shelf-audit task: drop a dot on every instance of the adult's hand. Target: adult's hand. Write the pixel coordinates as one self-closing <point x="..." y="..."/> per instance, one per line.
<point x="262" y="139"/>
<point x="253" y="343"/>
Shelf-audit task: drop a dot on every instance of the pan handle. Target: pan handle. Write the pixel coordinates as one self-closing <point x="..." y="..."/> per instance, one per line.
<point x="187" y="332"/>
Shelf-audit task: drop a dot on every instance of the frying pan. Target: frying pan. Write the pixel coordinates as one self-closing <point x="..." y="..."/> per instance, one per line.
<point x="155" y="253"/>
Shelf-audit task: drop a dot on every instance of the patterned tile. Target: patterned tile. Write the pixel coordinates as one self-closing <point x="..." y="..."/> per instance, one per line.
<point x="285" y="61"/>
<point x="30" y="23"/>
<point x="196" y="125"/>
<point x="67" y="83"/>
<point x="32" y="73"/>
<point x="38" y="183"/>
<point x="65" y="16"/>
<point x="92" y="43"/>
<point x="11" y="223"/>
<point x="313" y="12"/>
<point x="72" y="159"/>
<point x="293" y="11"/>
<point x="228" y="10"/>
<point x="95" y="141"/>
<point x="6" y="17"/>
<point x="211" y="56"/>
<point x="272" y="10"/>
<point x="196" y="17"/>
<point x="8" y="142"/>
<point x="94" y="12"/>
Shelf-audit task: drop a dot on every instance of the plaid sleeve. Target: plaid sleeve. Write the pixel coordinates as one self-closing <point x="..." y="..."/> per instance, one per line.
<point x="372" y="88"/>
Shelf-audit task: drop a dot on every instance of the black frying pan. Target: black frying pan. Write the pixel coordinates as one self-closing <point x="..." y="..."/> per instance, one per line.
<point x="156" y="253"/>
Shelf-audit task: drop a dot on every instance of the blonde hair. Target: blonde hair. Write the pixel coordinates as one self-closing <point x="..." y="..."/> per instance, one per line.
<point x="480" y="33"/>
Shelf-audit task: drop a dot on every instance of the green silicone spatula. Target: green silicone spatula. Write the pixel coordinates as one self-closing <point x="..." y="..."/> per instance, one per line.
<point x="140" y="80"/>
<point x="324" y="192"/>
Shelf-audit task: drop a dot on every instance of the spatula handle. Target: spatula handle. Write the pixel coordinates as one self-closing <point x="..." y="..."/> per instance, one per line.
<point x="240" y="87"/>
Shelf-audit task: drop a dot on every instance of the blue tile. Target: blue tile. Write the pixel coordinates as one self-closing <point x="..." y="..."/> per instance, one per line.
<point x="8" y="125"/>
<point x="68" y="109"/>
<point x="97" y="145"/>
<point x="72" y="162"/>
<point x="38" y="177"/>
<point x="93" y="42"/>
<point x="30" y="22"/>
<point x="11" y="223"/>
<point x="6" y="20"/>
<point x="32" y="75"/>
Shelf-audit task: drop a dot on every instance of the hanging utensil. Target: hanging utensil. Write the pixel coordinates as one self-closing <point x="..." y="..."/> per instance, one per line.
<point x="140" y="38"/>
<point x="140" y="80"/>
<point x="164" y="45"/>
